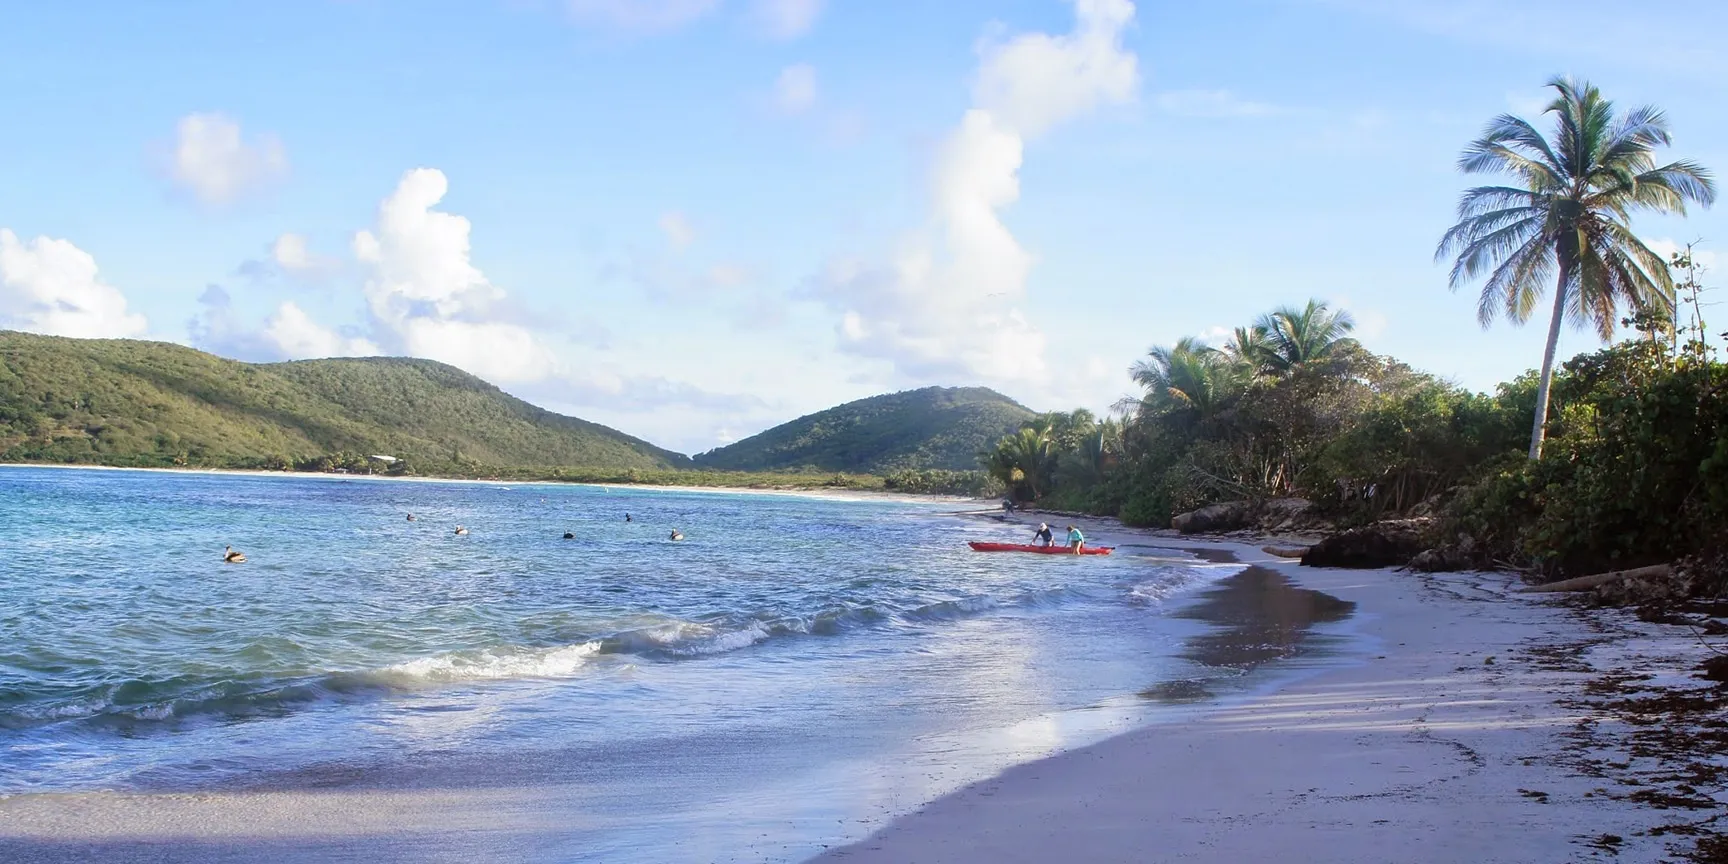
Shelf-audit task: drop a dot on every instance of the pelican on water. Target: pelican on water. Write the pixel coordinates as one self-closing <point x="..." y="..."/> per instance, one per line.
<point x="230" y="556"/>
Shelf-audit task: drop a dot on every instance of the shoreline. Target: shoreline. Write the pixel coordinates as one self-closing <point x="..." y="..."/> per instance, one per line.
<point x="836" y="494"/>
<point x="1484" y="726"/>
<point x="345" y="812"/>
<point x="1465" y="723"/>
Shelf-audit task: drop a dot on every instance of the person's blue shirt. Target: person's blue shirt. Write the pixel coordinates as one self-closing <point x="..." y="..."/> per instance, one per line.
<point x="1074" y="536"/>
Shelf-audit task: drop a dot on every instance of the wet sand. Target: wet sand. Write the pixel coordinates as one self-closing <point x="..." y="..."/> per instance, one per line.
<point x="1459" y="739"/>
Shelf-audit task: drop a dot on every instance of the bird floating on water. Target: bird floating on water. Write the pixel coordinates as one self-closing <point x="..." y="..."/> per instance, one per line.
<point x="569" y="536"/>
<point x="461" y="530"/>
<point x="232" y="557"/>
<point x="676" y="534"/>
<point x="410" y="517"/>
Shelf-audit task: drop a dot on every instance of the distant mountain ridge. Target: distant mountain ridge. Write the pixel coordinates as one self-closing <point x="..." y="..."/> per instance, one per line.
<point x="935" y="427"/>
<point x="129" y="402"/>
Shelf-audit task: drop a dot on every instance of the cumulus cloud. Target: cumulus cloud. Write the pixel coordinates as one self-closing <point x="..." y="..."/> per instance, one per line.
<point x="1036" y="81"/>
<point x="288" y="333"/>
<point x="51" y="286"/>
<point x="214" y="162"/>
<point x="427" y="299"/>
<point x="297" y="337"/>
<point x="291" y="253"/>
<point x="424" y="297"/>
<point x="640" y="16"/>
<point x="946" y="305"/>
<point x="795" y="89"/>
<point x="786" y="19"/>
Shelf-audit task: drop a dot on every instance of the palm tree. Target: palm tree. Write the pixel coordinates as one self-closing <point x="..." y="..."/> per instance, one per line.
<point x="1568" y="218"/>
<point x="1292" y="338"/>
<point x="1023" y="458"/>
<point x="1247" y="348"/>
<point x="1187" y="377"/>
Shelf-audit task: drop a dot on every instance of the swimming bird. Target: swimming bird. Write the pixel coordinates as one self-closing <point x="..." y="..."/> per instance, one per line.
<point x="676" y="534"/>
<point x="410" y="517"/>
<point x="461" y="530"/>
<point x="232" y="557"/>
<point x="569" y="536"/>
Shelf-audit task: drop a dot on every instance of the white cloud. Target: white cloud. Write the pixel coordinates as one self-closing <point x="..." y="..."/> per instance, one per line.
<point x="1036" y="81"/>
<point x="297" y="337"/>
<point x="213" y="161"/>
<point x="795" y="89"/>
<point x="1217" y="335"/>
<point x="291" y="253"/>
<point x="786" y="19"/>
<point x="1211" y="103"/>
<point x="51" y="286"/>
<point x="427" y="299"/>
<point x="640" y="16"/>
<point x="678" y="230"/>
<point x="947" y="306"/>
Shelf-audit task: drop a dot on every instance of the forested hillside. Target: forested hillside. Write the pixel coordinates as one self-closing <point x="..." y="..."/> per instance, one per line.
<point x="127" y="402"/>
<point x="933" y="428"/>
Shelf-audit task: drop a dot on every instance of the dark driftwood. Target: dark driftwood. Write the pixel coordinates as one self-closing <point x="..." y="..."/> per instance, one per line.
<point x="1585" y="583"/>
<point x="1285" y="551"/>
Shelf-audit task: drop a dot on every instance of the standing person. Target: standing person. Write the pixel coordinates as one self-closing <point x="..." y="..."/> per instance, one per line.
<point x="1043" y="537"/>
<point x="1076" y="539"/>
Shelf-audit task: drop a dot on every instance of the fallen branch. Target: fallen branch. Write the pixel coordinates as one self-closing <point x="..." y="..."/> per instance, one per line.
<point x="1285" y="551"/>
<point x="1585" y="583"/>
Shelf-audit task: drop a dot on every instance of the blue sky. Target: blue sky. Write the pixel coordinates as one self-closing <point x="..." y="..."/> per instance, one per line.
<point x="692" y="219"/>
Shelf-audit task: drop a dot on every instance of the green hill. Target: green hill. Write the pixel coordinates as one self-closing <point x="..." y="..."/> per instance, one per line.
<point x="936" y="427"/>
<point x="127" y="402"/>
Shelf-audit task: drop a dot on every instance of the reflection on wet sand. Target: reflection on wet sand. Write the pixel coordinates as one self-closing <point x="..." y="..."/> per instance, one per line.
<point x="1261" y="616"/>
<point x="1258" y="616"/>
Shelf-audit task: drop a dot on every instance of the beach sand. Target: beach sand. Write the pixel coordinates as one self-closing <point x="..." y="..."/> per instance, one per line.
<point x="1478" y="726"/>
<point x="1486" y="726"/>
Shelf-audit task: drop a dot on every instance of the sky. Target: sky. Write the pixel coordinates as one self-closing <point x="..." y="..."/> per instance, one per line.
<point x="694" y="219"/>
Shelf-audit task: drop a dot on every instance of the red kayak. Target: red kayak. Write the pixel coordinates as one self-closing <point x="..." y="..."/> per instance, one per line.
<point x="1042" y="550"/>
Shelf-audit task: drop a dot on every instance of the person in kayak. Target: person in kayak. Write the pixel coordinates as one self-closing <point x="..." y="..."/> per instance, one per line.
<point x="1043" y="537"/>
<point x="1076" y="539"/>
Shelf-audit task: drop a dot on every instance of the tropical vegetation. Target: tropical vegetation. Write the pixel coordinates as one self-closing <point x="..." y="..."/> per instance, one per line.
<point x="151" y="404"/>
<point x="935" y="428"/>
<point x="1568" y="219"/>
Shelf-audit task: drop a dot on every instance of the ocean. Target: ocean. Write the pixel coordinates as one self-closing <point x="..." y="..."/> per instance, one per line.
<point x="795" y="672"/>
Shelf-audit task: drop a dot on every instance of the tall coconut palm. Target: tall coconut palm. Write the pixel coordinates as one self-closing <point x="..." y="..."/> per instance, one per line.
<point x="1567" y="219"/>
<point x="1296" y="337"/>
<point x="1188" y="377"/>
<point x="1246" y="348"/>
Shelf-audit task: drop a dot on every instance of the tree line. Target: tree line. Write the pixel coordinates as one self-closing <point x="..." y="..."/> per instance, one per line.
<point x="1616" y="457"/>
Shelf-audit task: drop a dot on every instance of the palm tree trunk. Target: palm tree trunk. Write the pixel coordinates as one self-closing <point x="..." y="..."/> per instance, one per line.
<point x="1539" y="427"/>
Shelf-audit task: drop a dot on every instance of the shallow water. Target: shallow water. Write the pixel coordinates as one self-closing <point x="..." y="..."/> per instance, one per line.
<point x="794" y="672"/>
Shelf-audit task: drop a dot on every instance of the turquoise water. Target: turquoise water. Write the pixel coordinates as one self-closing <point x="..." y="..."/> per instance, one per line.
<point x="791" y="652"/>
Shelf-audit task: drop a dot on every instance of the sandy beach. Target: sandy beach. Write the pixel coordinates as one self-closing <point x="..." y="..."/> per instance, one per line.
<point x="1485" y="726"/>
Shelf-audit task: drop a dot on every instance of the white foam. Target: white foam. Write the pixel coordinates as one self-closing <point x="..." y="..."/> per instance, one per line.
<point x="722" y="642"/>
<point x="560" y="662"/>
<point x="1171" y="582"/>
